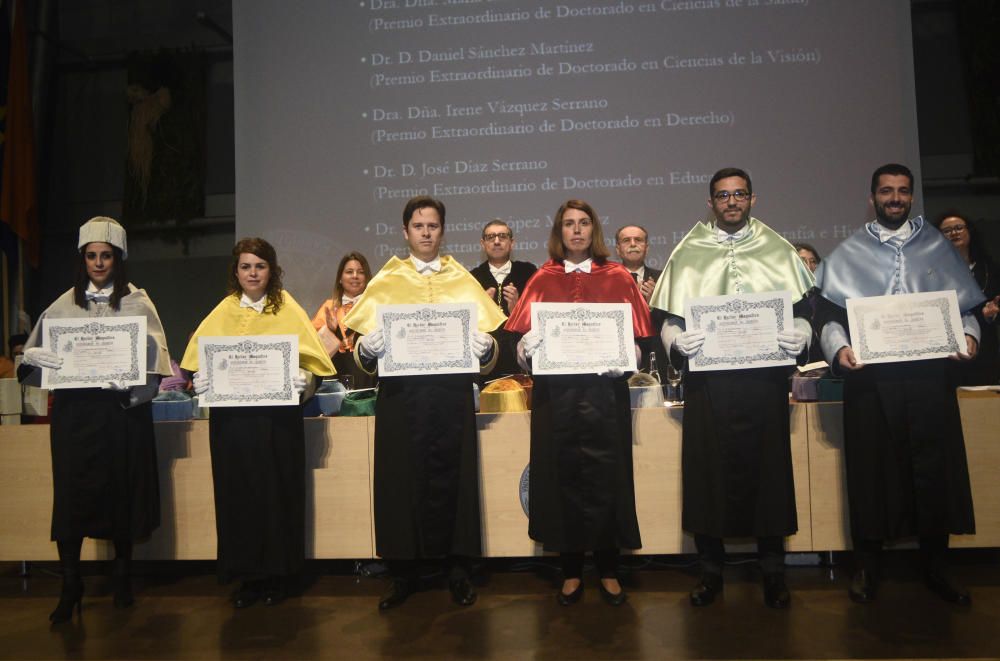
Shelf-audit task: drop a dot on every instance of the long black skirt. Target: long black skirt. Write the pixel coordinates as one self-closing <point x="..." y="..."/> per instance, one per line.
<point x="736" y="459"/>
<point x="581" y="493"/>
<point x="426" y="489"/>
<point x="104" y="472"/>
<point x="904" y="451"/>
<point x="258" y="472"/>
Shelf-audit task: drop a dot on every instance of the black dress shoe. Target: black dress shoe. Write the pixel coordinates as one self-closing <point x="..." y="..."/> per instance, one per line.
<point x="399" y="591"/>
<point x="611" y="598"/>
<point x="273" y="596"/>
<point x="463" y="592"/>
<point x="943" y="588"/>
<point x="775" y="592"/>
<point x="571" y="598"/>
<point x="863" y="587"/>
<point x="247" y="595"/>
<point x="707" y="590"/>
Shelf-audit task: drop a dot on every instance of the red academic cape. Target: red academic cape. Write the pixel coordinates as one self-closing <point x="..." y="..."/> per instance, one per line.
<point x="607" y="282"/>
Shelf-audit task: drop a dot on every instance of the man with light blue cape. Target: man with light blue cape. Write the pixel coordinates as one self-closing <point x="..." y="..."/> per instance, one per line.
<point x="903" y="447"/>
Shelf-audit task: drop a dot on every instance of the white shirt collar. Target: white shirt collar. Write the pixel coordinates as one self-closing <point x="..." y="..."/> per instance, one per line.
<point x="98" y="295"/>
<point x="583" y="266"/>
<point x="884" y="234"/>
<point x="722" y="235"/>
<point x="425" y="268"/>
<point x="348" y="300"/>
<point x="500" y="272"/>
<point x="640" y="273"/>
<point x="258" y="306"/>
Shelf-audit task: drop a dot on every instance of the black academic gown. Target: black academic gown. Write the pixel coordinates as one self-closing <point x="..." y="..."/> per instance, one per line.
<point x="582" y="493"/>
<point x="258" y="459"/>
<point x="520" y="273"/>
<point x="904" y="451"/>
<point x="736" y="458"/>
<point x="581" y="487"/>
<point x="426" y="485"/>
<point x="104" y="471"/>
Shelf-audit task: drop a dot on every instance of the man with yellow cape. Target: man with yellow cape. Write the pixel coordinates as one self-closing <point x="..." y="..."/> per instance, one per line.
<point x="426" y="487"/>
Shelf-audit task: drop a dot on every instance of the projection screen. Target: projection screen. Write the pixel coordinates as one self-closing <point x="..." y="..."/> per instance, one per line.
<point x="505" y="108"/>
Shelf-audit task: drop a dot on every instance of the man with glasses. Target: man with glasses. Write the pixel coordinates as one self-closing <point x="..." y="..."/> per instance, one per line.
<point x="736" y="457"/>
<point x="903" y="448"/>
<point x="503" y="280"/>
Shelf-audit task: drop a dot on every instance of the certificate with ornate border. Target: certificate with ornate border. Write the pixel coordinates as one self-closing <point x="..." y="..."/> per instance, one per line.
<point x="249" y="370"/>
<point x="583" y="338"/>
<point x="96" y="351"/>
<point x="892" y="329"/>
<point x="741" y="330"/>
<point x="429" y="338"/>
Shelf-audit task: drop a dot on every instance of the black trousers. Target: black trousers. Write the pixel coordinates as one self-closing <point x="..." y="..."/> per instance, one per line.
<point x="933" y="552"/>
<point x="712" y="554"/>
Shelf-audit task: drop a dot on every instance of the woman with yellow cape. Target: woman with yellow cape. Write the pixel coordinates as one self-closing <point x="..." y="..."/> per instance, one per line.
<point x="258" y="452"/>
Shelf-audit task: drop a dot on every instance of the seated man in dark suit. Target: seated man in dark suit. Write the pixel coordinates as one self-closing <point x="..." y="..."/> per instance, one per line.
<point x="503" y="281"/>
<point x="631" y="244"/>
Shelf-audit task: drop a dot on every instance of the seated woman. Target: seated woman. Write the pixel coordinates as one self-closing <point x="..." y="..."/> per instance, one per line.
<point x="985" y="368"/>
<point x="353" y="275"/>
<point x="258" y="452"/>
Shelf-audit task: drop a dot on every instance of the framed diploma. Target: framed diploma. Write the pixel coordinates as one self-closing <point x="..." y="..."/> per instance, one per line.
<point x="741" y="330"/>
<point x="432" y="338"/>
<point x="249" y="370"/>
<point x="583" y="338"/>
<point x="892" y="329"/>
<point x="96" y="351"/>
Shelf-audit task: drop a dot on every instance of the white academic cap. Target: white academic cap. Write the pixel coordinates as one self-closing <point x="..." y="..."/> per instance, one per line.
<point x="105" y="230"/>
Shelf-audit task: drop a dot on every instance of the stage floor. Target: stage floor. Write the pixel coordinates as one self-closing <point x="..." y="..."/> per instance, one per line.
<point x="182" y="612"/>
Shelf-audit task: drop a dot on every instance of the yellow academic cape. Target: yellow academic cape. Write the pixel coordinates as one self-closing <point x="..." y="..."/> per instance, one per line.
<point x="228" y="319"/>
<point x="761" y="261"/>
<point x="398" y="282"/>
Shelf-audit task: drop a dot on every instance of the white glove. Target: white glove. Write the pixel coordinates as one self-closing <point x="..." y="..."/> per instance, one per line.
<point x="481" y="344"/>
<point x="299" y="381"/>
<point x="689" y="343"/>
<point x="372" y="345"/>
<point x="613" y="372"/>
<point x="114" y="387"/>
<point x="531" y="343"/>
<point x="792" y="341"/>
<point x="39" y="357"/>
<point x="201" y="383"/>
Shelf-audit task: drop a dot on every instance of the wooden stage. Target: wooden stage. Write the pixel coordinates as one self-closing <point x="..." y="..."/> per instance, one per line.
<point x="339" y="480"/>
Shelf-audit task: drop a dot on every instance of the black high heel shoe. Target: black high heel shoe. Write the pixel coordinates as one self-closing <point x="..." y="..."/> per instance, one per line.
<point x="71" y="597"/>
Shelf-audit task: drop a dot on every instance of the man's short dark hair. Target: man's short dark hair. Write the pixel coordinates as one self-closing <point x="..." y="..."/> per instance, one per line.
<point x="625" y="227"/>
<point x="497" y="221"/>
<point x="725" y="173"/>
<point x="894" y="169"/>
<point x="422" y="202"/>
